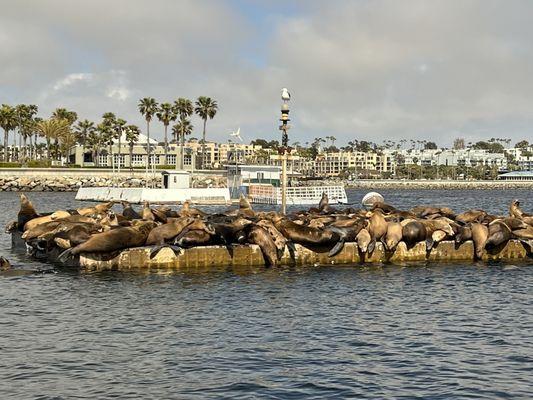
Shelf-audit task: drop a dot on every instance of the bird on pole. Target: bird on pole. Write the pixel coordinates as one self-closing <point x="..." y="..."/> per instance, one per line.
<point x="285" y="95"/>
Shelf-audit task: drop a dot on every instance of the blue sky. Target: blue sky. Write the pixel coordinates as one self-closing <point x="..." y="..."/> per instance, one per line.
<point x="368" y="70"/>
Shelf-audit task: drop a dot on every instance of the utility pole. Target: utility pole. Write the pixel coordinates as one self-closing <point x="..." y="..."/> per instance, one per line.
<point x="284" y="149"/>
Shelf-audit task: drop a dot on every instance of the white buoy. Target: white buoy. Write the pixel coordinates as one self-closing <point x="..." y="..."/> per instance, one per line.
<point x="371" y="198"/>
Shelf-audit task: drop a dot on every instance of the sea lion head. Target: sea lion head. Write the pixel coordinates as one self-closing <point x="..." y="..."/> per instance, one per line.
<point x="243" y="202"/>
<point x="4" y="264"/>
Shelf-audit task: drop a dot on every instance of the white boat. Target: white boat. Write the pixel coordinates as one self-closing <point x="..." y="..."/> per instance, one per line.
<point x="268" y="194"/>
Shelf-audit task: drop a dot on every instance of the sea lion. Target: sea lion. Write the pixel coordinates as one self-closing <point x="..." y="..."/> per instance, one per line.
<point x="26" y="213"/>
<point x="471" y="216"/>
<point x="129" y="212"/>
<point x="324" y="202"/>
<point x="97" y="209"/>
<point x="377" y="227"/>
<point x="384" y="207"/>
<point x="194" y="238"/>
<point x="499" y="233"/>
<point x="480" y="234"/>
<point x="188" y="211"/>
<point x="515" y="211"/>
<point x="363" y="240"/>
<point x="393" y="235"/>
<point x="524" y="233"/>
<point x="146" y="213"/>
<point x="160" y="234"/>
<point x="305" y="235"/>
<point x="464" y="233"/>
<point x="44" y="219"/>
<point x="346" y="234"/>
<point x="279" y="240"/>
<point x="413" y="232"/>
<point x="258" y="235"/>
<point x="245" y="208"/>
<point x="113" y="240"/>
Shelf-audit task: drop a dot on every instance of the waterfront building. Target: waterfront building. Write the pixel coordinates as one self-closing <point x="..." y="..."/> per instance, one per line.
<point x="447" y="157"/>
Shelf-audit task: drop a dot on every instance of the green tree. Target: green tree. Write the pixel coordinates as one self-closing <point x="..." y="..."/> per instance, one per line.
<point x="26" y="121"/>
<point x="205" y="108"/>
<point x="184" y="107"/>
<point x="63" y="113"/>
<point x="83" y="129"/>
<point x="118" y="127"/>
<point x="522" y="144"/>
<point x="105" y="137"/>
<point x="148" y="108"/>
<point x="132" y="135"/>
<point x="180" y="130"/>
<point x="52" y="129"/>
<point x="430" y="146"/>
<point x="166" y="114"/>
<point x="8" y="122"/>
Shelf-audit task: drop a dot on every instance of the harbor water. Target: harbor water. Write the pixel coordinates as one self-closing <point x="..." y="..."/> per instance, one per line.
<point x="435" y="331"/>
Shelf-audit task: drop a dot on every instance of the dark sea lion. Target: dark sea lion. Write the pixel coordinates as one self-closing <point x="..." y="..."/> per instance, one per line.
<point x="160" y="234"/>
<point x="393" y="235"/>
<point x="377" y="227"/>
<point x="258" y="235"/>
<point x="413" y="232"/>
<point x="346" y="234"/>
<point x="384" y="207"/>
<point x="499" y="233"/>
<point x="194" y="238"/>
<point x="463" y="234"/>
<point x="480" y="234"/>
<point x="227" y="230"/>
<point x="324" y="202"/>
<point x="26" y="213"/>
<point x="129" y="212"/>
<point x="115" y="239"/>
<point x="305" y="235"/>
<point x="12" y="227"/>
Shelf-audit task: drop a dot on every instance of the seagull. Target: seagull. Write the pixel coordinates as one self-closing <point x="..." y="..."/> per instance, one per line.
<point x="237" y="134"/>
<point x="285" y="95"/>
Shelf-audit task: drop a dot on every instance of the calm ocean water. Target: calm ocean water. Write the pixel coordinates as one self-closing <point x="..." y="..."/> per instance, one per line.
<point x="412" y="331"/>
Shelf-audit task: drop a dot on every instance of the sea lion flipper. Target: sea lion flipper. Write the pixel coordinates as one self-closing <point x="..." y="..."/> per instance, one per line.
<point x="337" y="248"/>
<point x="371" y="246"/>
<point x="63" y="257"/>
<point x="429" y="244"/>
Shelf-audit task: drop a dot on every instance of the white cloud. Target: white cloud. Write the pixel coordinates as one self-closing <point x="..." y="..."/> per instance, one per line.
<point x="71" y="79"/>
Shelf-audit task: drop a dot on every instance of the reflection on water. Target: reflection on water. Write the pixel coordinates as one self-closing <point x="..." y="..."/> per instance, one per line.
<point x="427" y="331"/>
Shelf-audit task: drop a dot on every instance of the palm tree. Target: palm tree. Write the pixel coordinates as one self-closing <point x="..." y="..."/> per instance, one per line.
<point x="25" y="114"/>
<point x="205" y="108"/>
<point x="52" y="129"/>
<point x="119" y="126"/>
<point x="94" y="142"/>
<point x="83" y="129"/>
<point x="148" y="107"/>
<point x="180" y="130"/>
<point x="184" y="107"/>
<point x="166" y="114"/>
<point x="132" y="135"/>
<point x="8" y="122"/>
<point x="63" y="113"/>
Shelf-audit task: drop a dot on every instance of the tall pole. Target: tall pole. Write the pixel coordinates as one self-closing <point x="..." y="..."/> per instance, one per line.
<point x="284" y="150"/>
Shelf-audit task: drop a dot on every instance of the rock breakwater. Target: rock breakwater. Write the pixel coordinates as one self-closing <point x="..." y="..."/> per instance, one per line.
<point x="70" y="183"/>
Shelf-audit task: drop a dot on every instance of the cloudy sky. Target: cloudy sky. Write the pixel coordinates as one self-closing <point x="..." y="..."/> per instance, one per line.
<point x="358" y="69"/>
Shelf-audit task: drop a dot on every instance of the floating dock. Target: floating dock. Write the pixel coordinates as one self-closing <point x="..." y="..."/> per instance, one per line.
<point x="155" y="196"/>
<point x="216" y="257"/>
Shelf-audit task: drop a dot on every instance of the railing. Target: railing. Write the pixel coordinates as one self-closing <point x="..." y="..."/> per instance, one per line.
<point x="266" y="194"/>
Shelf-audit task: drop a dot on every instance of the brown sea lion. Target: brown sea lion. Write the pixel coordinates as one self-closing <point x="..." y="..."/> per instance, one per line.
<point x="160" y="234"/>
<point x="499" y="233"/>
<point x="515" y="211"/>
<point x="363" y="240"/>
<point x="146" y="213"/>
<point x="377" y="227"/>
<point x="188" y="211"/>
<point x="279" y="240"/>
<point x="115" y="239"/>
<point x="480" y="234"/>
<point x="97" y="209"/>
<point x="44" y="219"/>
<point x="258" y="235"/>
<point x="524" y="233"/>
<point x="346" y="234"/>
<point x="471" y="216"/>
<point x="26" y="213"/>
<point x="393" y="235"/>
